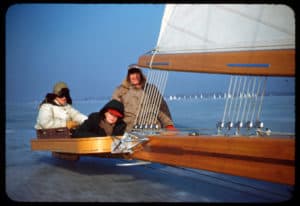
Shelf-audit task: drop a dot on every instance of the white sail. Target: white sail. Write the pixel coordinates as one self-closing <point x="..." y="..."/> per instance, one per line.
<point x="225" y="39"/>
<point x="226" y="27"/>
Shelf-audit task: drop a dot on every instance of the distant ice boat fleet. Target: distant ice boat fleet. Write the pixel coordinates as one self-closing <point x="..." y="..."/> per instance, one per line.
<point x="206" y="96"/>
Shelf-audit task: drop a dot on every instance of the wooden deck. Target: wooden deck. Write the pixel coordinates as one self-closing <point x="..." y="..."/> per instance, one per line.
<point x="73" y="145"/>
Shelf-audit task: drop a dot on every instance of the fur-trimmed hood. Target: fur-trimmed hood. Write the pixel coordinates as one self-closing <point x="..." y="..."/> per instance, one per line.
<point x="126" y="83"/>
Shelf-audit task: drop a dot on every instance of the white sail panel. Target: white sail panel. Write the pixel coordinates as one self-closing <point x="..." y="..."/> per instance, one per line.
<point x="226" y="27"/>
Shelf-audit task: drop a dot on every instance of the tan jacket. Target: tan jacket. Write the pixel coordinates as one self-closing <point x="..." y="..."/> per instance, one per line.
<point x="131" y="98"/>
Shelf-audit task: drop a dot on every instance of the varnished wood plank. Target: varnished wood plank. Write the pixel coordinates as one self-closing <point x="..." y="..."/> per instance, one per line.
<point x="256" y="158"/>
<point x="265" y="147"/>
<point x="266" y="171"/>
<point x="74" y="145"/>
<point x="267" y="62"/>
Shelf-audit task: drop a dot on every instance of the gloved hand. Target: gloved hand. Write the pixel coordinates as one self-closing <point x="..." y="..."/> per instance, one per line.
<point x="72" y="124"/>
<point x="171" y="128"/>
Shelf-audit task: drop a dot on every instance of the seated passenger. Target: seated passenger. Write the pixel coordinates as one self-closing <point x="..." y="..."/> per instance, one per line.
<point x="107" y="122"/>
<point x="56" y="110"/>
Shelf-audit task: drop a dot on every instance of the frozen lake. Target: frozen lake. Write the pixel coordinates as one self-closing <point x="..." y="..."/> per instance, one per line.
<point x="37" y="177"/>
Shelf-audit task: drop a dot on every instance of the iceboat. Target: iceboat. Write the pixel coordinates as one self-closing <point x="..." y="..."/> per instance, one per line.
<point x="242" y="40"/>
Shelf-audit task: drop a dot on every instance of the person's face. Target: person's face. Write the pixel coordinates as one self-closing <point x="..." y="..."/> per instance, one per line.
<point x="62" y="96"/>
<point x="135" y="78"/>
<point x="61" y="100"/>
<point x="110" y="118"/>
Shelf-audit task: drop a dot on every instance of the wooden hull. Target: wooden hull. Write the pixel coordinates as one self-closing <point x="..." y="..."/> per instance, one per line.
<point x="260" y="63"/>
<point x="269" y="159"/>
<point x="254" y="157"/>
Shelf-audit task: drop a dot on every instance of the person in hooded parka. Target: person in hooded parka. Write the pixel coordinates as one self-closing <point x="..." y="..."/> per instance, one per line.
<point x="56" y="110"/>
<point x="107" y="122"/>
<point x="130" y="93"/>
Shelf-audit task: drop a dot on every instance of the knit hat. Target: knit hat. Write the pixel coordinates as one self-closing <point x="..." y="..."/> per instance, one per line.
<point x="58" y="87"/>
<point x="115" y="112"/>
<point x="115" y="107"/>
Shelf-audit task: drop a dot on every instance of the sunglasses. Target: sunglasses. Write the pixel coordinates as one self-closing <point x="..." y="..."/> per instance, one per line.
<point x="63" y="93"/>
<point x="61" y="96"/>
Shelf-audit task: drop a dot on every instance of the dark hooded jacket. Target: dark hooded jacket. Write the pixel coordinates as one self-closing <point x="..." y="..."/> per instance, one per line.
<point x="90" y="127"/>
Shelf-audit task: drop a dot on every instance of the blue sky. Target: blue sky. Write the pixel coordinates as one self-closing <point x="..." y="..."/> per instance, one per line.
<point x="89" y="46"/>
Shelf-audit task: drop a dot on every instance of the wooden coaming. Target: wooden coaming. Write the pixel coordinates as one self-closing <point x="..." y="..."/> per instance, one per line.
<point x="258" y="62"/>
<point x="73" y="145"/>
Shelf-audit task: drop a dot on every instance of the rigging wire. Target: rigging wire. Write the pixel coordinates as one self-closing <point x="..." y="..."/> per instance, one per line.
<point x="237" y="97"/>
<point x="152" y="96"/>
<point x="251" y="95"/>
<point x="261" y="99"/>
<point x="241" y="100"/>
<point x="255" y="99"/>
<point x="230" y="115"/>
<point x="227" y="98"/>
